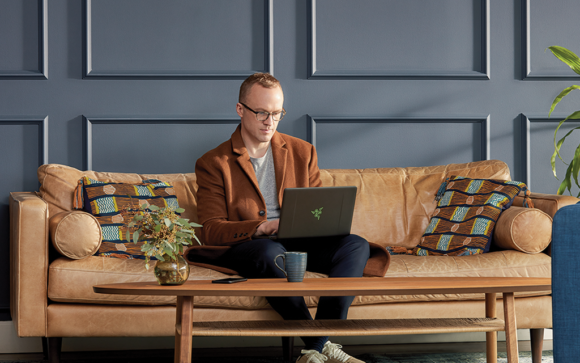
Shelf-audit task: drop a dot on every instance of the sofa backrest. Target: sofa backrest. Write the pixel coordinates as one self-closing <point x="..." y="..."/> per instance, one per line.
<point x="58" y="183"/>
<point x="393" y="205"/>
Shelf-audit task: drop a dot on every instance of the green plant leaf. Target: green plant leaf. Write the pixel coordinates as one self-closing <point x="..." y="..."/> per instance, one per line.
<point x="138" y="217"/>
<point x="557" y="150"/>
<point x="553" y="158"/>
<point x="135" y="236"/>
<point x="128" y="236"/>
<point x="576" y="168"/>
<point x="566" y="56"/>
<point x="574" y="116"/>
<point x="180" y="210"/>
<point x="167" y="222"/>
<point x="197" y="239"/>
<point x="154" y="207"/>
<point x="562" y="94"/>
<point x="566" y="183"/>
<point x="157" y="228"/>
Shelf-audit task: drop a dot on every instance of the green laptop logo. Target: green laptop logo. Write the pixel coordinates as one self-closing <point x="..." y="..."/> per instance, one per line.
<point x="317" y="212"/>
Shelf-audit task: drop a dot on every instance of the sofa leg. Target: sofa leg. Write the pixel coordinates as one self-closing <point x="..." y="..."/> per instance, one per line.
<point x="44" y="348"/>
<point x="54" y="349"/>
<point x="287" y="348"/>
<point x="537" y="342"/>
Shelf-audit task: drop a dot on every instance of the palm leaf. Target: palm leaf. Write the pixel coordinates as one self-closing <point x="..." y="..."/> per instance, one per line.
<point x="557" y="145"/>
<point x="562" y="94"/>
<point x="566" y="56"/>
<point x="576" y="162"/>
<point x="557" y="150"/>
<point x="566" y="183"/>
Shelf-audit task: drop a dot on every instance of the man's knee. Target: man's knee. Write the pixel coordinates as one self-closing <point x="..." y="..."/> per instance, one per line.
<point x="263" y="258"/>
<point x="357" y="246"/>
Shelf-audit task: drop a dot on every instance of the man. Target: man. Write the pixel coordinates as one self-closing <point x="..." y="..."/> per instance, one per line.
<point x="241" y="184"/>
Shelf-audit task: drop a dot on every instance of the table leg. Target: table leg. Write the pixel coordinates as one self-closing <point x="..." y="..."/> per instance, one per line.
<point x="511" y="337"/>
<point x="490" y="337"/>
<point x="183" y="329"/>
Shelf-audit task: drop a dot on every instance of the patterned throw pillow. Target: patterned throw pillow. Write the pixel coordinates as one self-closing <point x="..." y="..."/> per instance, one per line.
<point x="465" y="216"/>
<point x="106" y="201"/>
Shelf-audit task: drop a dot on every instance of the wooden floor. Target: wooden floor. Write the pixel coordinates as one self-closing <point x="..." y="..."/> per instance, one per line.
<point x="277" y="351"/>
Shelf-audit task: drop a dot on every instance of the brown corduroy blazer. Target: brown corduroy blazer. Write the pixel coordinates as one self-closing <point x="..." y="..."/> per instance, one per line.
<point x="231" y="206"/>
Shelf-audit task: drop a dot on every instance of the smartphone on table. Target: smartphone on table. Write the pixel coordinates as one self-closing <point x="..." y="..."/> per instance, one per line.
<point x="229" y="280"/>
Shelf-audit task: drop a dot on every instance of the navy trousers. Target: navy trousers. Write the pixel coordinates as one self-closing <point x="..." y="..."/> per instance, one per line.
<point x="335" y="256"/>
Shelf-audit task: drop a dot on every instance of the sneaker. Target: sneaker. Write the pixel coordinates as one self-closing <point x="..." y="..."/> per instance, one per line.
<point x="336" y="355"/>
<point x="311" y="356"/>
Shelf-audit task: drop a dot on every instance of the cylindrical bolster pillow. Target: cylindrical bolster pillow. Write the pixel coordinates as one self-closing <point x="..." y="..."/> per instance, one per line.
<point x="527" y="230"/>
<point x="75" y="234"/>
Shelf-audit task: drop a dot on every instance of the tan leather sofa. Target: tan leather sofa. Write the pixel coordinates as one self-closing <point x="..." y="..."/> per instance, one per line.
<point x="52" y="295"/>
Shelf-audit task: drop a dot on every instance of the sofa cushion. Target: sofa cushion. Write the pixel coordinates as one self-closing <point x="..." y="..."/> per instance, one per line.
<point x="73" y="280"/>
<point x="527" y="230"/>
<point x="110" y="204"/>
<point x="75" y="234"/>
<point x="465" y="216"/>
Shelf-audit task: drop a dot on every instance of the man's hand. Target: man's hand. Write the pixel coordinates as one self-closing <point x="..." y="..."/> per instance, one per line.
<point x="268" y="228"/>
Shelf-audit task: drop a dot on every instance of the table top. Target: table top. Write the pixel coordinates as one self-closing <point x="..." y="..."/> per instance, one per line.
<point x="335" y="286"/>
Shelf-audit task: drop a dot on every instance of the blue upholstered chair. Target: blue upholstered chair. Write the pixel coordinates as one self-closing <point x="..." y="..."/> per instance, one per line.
<point x="566" y="284"/>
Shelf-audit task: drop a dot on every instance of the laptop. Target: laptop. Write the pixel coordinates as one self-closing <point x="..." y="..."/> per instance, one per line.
<point x="316" y="212"/>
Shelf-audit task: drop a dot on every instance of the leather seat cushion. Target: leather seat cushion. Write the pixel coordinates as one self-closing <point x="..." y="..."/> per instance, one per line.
<point x="73" y="280"/>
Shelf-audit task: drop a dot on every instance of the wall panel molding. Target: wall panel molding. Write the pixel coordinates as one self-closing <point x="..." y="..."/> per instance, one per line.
<point x="90" y="71"/>
<point x="41" y="122"/>
<point x="484" y="73"/>
<point x="484" y="121"/>
<point x="89" y="121"/>
<point x="526" y="50"/>
<point x="42" y="71"/>
<point x="525" y="133"/>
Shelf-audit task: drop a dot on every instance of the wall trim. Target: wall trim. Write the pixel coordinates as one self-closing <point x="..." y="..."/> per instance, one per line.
<point x="89" y="121"/>
<point x="89" y="72"/>
<point x="484" y="121"/>
<point x="42" y="123"/>
<point x="526" y="50"/>
<point x="42" y="72"/>
<point x="526" y="122"/>
<point x="483" y="74"/>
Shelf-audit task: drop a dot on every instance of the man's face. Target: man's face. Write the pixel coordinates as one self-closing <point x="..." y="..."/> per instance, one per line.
<point x="259" y="99"/>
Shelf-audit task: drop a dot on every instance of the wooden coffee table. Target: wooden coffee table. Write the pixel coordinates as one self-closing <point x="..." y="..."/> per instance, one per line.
<point x="184" y="327"/>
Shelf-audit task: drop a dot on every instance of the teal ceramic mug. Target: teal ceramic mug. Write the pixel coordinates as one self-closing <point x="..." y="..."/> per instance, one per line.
<point x="294" y="265"/>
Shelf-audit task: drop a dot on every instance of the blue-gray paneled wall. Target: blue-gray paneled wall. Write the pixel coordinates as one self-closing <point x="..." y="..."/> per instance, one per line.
<point x="150" y="85"/>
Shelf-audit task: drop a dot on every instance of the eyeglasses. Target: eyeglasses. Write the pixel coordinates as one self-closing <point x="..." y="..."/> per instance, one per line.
<point x="263" y="115"/>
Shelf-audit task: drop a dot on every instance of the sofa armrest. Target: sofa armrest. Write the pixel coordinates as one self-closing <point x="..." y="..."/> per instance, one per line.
<point x="28" y="263"/>
<point x="549" y="203"/>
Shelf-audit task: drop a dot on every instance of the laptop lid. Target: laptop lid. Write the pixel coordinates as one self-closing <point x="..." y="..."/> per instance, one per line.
<point x="316" y="212"/>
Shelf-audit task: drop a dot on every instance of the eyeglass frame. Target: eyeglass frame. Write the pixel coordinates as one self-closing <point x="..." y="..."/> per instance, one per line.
<point x="270" y="114"/>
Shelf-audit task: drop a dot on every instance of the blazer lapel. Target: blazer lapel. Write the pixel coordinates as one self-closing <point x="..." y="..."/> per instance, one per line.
<point x="243" y="159"/>
<point x="280" y="155"/>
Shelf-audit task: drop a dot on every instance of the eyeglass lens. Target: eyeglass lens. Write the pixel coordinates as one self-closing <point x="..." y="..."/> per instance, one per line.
<point x="276" y="116"/>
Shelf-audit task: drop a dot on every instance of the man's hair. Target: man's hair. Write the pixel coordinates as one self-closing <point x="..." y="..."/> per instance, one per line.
<point x="265" y="80"/>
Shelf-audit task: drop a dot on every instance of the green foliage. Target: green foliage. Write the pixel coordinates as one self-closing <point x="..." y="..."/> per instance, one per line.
<point x="163" y="232"/>
<point x="572" y="60"/>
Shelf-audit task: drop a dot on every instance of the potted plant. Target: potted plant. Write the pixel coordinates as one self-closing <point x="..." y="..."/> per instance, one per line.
<point x="573" y="62"/>
<point x="164" y="233"/>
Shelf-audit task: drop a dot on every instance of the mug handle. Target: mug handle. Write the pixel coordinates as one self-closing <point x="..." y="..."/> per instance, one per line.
<point x="276" y="263"/>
